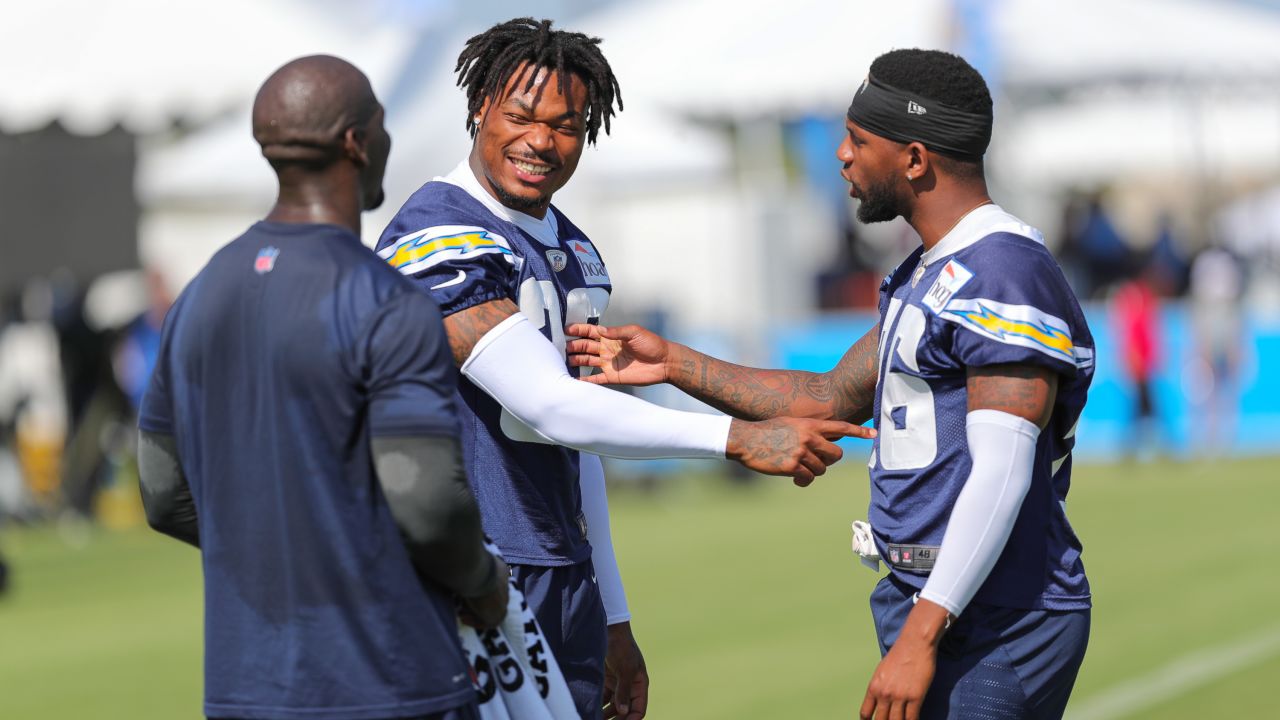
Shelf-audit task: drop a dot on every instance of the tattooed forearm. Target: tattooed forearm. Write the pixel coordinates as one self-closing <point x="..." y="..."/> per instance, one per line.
<point x="465" y="328"/>
<point x="854" y="379"/>
<point x="844" y="393"/>
<point x="1027" y="391"/>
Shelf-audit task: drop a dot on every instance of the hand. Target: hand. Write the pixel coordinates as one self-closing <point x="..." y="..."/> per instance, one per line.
<point x="626" y="681"/>
<point x="901" y="680"/>
<point x="798" y="447"/>
<point x="626" y="355"/>
<point x="488" y="611"/>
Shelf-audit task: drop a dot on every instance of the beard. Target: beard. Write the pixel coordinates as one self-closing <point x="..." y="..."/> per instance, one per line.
<point x="878" y="203"/>
<point x="525" y="205"/>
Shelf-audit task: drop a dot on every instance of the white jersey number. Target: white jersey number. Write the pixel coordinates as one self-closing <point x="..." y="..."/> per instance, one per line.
<point x="540" y="303"/>
<point x="908" y="424"/>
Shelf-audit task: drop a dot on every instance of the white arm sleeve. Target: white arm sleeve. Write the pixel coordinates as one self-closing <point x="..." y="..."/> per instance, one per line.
<point x="517" y="366"/>
<point x="1003" y="449"/>
<point x="595" y="506"/>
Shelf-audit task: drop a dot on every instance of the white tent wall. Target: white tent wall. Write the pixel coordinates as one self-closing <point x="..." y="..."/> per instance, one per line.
<point x="146" y="63"/>
<point x="177" y="241"/>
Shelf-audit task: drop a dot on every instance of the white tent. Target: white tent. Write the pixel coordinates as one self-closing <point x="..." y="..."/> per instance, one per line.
<point x="146" y="63"/>
<point x="1065" y="44"/>
<point x="735" y="58"/>
<point x="1152" y="134"/>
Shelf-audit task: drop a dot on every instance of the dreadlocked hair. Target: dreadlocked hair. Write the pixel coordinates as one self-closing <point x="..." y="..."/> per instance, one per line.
<point x="489" y="60"/>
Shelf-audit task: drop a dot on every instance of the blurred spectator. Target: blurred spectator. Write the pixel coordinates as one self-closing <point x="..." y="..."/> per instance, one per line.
<point x="135" y="355"/>
<point x="1217" y="286"/>
<point x="852" y="279"/>
<point x="1093" y="249"/>
<point x="96" y="404"/>
<point x="33" y="414"/>
<point x="1168" y="260"/>
<point x="1135" y="313"/>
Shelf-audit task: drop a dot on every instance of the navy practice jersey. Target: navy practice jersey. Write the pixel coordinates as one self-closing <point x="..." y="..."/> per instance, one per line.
<point x="464" y="248"/>
<point x="988" y="293"/>
<point x="278" y="362"/>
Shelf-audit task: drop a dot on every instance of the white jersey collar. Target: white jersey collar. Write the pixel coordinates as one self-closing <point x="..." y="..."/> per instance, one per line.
<point x="977" y="224"/>
<point x="543" y="230"/>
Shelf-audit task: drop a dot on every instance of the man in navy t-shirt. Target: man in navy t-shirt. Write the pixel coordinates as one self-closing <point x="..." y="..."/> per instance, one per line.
<point x="299" y="428"/>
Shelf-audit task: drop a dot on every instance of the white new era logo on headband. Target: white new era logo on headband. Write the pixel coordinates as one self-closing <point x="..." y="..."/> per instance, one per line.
<point x="914" y="109"/>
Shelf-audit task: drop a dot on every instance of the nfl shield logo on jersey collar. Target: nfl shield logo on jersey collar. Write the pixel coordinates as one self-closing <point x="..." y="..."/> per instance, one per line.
<point x="558" y="259"/>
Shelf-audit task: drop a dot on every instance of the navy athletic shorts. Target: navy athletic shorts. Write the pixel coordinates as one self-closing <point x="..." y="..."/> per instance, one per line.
<point x="994" y="663"/>
<point x="566" y="601"/>
<point x="470" y="711"/>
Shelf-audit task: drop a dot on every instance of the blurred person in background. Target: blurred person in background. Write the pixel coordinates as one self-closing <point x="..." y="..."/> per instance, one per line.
<point x="509" y="271"/>
<point x="1135" y="313"/>
<point x="1093" y="245"/>
<point x="299" y="429"/>
<point x="96" y="404"/>
<point x="976" y="376"/>
<point x="139" y="345"/>
<point x="33" y="402"/>
<point x="1217" y="316"/>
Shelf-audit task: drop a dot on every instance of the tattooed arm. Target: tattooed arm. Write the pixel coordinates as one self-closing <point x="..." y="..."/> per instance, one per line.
<point x="632" y="355"/>
<point x="465" y="328"/>
<point x="1025" y="391"/>
<point x="501" y="353"/>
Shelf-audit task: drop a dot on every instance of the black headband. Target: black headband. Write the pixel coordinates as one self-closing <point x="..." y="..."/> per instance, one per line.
<point x="901" y="116"/>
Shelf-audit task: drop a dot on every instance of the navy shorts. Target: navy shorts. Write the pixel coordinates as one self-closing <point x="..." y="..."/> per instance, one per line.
<point x="566" y="601"/>
<point x="470" y="711"/>
<point x="994" y="663"/>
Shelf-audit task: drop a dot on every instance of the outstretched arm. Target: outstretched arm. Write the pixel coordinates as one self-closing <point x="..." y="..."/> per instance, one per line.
<point x="631" y="355"/>
<point x="503" y="355"/>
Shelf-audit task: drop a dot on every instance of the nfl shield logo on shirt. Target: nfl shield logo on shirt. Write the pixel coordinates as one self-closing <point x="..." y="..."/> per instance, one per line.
<point x="266" y="260"/>
<point x="558" y="259"/>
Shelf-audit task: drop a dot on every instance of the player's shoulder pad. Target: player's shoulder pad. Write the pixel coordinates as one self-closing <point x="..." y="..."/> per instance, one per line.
<point x="1008" y="288"/>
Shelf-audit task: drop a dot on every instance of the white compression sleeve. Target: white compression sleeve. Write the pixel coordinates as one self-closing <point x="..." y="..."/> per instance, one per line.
<point x="517" y="366"/>
<point x="595" y="506"/>
<point x="1003" y="449"/>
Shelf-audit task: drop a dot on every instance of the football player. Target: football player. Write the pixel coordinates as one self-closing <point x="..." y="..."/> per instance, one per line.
<point x="975" y="378"/>
<point x="509" y="271"/>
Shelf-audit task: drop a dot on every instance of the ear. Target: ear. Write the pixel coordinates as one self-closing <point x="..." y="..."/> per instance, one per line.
<point x="480" y="115"/>
<point x="355" y="145"/>
<point x="917" y="161"/>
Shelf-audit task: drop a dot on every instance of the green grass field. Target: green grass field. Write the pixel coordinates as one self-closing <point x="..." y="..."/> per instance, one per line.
<point x="748" y="602"/>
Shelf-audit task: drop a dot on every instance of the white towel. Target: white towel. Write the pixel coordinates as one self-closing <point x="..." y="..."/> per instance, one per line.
<point x="513" y="670"/>
<point x="864" y="545"/>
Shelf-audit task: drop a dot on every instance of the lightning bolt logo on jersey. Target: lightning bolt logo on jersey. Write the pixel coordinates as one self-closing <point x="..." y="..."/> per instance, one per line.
<point x="463" y="249"/>
<point x="988" y="293"/>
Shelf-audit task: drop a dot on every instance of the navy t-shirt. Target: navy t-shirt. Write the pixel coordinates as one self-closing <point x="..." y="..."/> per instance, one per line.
<point x="277" y="364"/>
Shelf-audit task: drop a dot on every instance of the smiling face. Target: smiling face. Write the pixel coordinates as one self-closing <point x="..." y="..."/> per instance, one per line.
<point x="872" y="167"/>
<point x="528" y="142"/>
